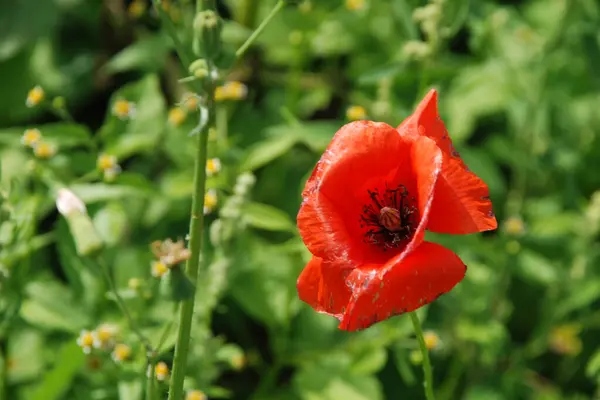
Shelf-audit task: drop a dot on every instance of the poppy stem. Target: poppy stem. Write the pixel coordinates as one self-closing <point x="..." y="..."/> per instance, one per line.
<point x="425" y="353"/>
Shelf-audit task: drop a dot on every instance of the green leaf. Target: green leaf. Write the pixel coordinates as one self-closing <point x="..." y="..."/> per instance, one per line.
<point x="130" y="390"/>
<point x="264" y="216"/>
<point x="25" y="352"/>
<point x="22" y="22"/>
<point x="64" y="135"/>
<point x="536" y="268"/>
<point x="584" y="294"/>
<point x="56" y="382"/>
<point x="147" y="54"/>
<point x="266" y="151"/>
<point x="98" y="192"/>
<point x="141" y="132"/>
<point x="592" y="370"/>
<point x="477" y="91"/>
<point x="326" y="383"/>
<point x="50" y="306"/>
<point x="264" y="292"/>
<point x="369" y="360"/>
<point x="111" y="223"/>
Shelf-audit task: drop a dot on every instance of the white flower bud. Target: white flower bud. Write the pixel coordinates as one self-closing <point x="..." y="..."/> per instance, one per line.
<point x="67" y="203"/>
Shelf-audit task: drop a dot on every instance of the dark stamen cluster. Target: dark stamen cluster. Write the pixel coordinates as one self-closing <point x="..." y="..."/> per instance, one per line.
<point x="389" y="217"/>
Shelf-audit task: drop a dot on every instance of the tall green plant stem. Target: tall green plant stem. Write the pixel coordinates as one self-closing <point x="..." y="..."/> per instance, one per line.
<point x="426" y="363"/>
<point x="186" y="310"/>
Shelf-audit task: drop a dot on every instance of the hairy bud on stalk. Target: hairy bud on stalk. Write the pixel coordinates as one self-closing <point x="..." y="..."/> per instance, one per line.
<point x="199" y="68"/>
<point x="87" y="240"/>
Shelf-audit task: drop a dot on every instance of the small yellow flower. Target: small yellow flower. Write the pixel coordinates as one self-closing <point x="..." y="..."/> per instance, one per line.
<point x="213" y="166"/>
<point x="233" y="90"/>
<point x="106" y="161"/>
<point x="123" y="109"/>
<point x="432" y="340"/>
<point x="355" y="113"/>
<point x="237" y="90"/>
<point x="159" y="269"/>
<point x="85" y="341"/>
<point x="220" y="93"/>
<point x="31" y="137"/>
<point x="104" y="336"/>
<point x="35" y="96"/>
<point x="122" y="352"/>
<point x="355" y="5"/>
<point x="176" y="116"/>
<point x="195" y="395"/>
<point x="210" y="201"/>
<point x="564" y="339"/>
<point x="44" y="150"/>
<point x="191" y="101"/>
<point x="161" y="371"/>
<point x="514" y="226"/>
<point x="136" y="8"/>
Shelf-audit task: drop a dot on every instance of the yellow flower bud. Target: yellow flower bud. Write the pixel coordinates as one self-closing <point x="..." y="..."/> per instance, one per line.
<point x="355" y="113"/>
<point x="35" y="96"/>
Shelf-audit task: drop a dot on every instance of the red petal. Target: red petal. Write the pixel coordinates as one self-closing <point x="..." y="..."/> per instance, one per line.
<point x="323" y="287"/>
<point x="362" y="156"/>
<point x="462" y="203"/>
<point x="406" y="284"/>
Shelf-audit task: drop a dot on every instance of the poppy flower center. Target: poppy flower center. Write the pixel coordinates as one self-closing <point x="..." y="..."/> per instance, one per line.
<point x="389" y="217"/>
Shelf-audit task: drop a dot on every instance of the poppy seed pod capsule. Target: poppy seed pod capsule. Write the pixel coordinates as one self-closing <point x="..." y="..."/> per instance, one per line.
<point x="390" y="219"/>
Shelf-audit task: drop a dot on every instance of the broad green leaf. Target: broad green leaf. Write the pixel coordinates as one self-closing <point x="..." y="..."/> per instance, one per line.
<point x="26" y="355"/>
<point x="323" y="383"/>
<point x="49" y="305"/>
<point x="369" y="360"/>
<point x="268" y="150"/>
<point x="536" y="268"/>
<point x="130" y="390"/>
<point x="264" y="216"/>
<point x="98" y="192"/>
<point x="586" y="293"/>
<point x="64" y="135"/>
<point x="148" y="54"/>
<point x="592" y="370"/>
<point x="22" y="22"/>
<point x="56" y="381"/>
<point x="111" y="223"/>
<point x="477" y="91"/>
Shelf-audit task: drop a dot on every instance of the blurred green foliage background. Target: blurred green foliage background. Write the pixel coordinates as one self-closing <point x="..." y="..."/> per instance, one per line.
<point x="519" y="85"/>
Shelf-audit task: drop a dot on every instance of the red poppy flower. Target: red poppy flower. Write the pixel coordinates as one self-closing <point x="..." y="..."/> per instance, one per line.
<point x="365" y="210"/>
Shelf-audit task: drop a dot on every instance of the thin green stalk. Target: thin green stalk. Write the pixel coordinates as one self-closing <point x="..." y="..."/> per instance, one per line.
<point x="192" y="266"/>
<point x="121" y="303"/>
<point x="426" y="363"/>
<point x="186" y="310"/>
<point x="278" y="7"/>
<point x="150" y="385"/>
